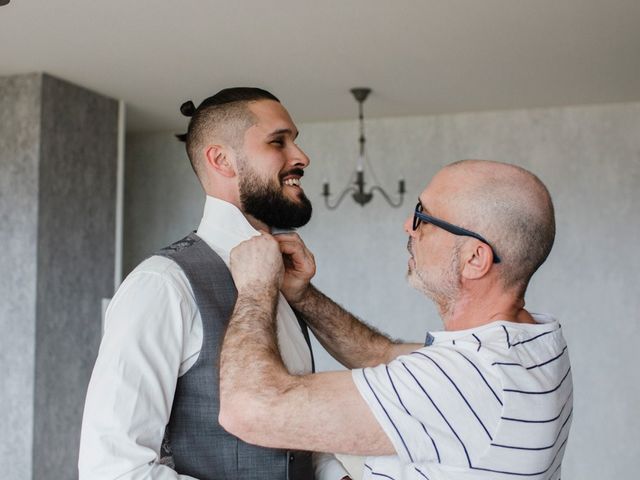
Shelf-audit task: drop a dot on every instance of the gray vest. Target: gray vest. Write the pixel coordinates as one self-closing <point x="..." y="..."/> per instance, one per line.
<point x="199" y="445"/>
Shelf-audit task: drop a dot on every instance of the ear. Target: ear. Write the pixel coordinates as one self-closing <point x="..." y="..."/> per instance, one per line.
<point x="220" y="159"/>
<point x="477" y="260"/>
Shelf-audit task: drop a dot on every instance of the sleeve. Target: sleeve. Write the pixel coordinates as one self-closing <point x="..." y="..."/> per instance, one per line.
<point x="327" y="467"/>
<point x="132" y="386"/>
<point x="434" y="404"/>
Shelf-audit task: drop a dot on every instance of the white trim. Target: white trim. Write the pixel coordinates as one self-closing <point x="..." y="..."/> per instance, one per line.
<point x="117" y="277"/>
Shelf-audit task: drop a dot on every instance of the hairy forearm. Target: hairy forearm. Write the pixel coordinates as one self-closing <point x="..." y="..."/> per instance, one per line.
<point x="347" y="339"/>
<point x="250" y="362"/>
<point x="260" y="402"/>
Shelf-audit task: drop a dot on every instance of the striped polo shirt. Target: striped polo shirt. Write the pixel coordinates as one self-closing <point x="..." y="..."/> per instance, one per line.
<point x="493" y="402"/>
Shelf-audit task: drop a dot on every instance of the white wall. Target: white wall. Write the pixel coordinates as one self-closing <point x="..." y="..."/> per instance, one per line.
<point x="589" y="157"/>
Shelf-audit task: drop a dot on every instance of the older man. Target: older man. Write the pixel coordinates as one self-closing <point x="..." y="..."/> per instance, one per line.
<point x="489" y="397"/>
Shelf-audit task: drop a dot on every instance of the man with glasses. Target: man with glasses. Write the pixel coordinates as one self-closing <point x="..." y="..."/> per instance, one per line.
<point x="489" y="397"/>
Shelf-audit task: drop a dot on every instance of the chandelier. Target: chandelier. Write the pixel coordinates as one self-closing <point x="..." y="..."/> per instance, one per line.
<point x="357" y="186"/>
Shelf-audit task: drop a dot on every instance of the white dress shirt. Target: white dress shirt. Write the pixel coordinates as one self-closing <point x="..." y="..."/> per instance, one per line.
<point x="152" y="336"/>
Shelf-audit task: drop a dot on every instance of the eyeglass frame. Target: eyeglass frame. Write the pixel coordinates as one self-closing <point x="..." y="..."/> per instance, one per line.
<point x="419" y="216"/>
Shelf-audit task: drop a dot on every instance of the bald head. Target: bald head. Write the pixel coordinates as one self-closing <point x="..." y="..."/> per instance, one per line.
<point x="510" y="207"/>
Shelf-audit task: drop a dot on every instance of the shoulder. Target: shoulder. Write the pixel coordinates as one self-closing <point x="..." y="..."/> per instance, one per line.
<point x="155" y="272"/>
<point x="530" y="344"/>
<point x="156" y="265"/>
<point x="444" y="368"/>
<point x="465" y="362"/>
<point x="500" y="339"/>
<point x="157" y="288"/>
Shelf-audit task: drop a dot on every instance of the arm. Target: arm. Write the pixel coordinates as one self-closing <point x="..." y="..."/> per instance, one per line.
<point x="260" y="401"/>
<point x="414" y="407"/>
<point x="349" y="340"/>
<point x="131" y="390"/>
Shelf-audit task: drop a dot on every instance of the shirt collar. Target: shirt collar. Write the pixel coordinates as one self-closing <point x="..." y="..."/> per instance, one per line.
<point x="223" y="226"/>
<point x="544" y="322"/>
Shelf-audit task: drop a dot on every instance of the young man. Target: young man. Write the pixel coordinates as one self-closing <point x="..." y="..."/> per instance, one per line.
<point x="156" y="374"/>
<point x="490" y="397"/>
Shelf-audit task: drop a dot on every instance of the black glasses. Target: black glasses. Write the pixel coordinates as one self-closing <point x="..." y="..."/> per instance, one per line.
<point x="419" y="217"/>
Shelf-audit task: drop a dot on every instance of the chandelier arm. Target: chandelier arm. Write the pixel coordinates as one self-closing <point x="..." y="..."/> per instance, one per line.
<point x="340" y="198"/>
<point x="386" y="196"/>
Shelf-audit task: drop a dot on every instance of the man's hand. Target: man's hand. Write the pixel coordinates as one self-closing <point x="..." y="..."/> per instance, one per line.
<point x="256" y="264"/>
<point x="299" y="264"/>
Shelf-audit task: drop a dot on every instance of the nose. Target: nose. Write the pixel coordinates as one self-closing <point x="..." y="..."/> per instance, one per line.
<point x="300" y="158"/>
<point x="408" y="226"/>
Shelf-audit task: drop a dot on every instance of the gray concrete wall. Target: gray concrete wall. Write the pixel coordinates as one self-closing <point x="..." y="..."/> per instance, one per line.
<point x="19" y="159"/>
<point x="589" y="157"/>
<point x="76" y="241"/>
<point x="58" y="144"/>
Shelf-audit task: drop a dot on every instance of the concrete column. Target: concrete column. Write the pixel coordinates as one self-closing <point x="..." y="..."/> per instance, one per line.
<point x="58" y="160"/>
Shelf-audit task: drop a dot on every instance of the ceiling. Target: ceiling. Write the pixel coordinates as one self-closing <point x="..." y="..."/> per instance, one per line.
<point x="421" y="57"/>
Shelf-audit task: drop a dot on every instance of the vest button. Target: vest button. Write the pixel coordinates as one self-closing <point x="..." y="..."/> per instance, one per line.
<point x="291" y="457"/>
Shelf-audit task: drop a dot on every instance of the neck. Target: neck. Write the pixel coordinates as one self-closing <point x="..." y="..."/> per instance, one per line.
<point x="474" y="309"/>
<point x="257" y="224"/>
<point x="253" y="221"/>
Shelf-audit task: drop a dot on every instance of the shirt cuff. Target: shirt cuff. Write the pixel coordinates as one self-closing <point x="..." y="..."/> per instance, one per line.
<point x="328" y="467"/>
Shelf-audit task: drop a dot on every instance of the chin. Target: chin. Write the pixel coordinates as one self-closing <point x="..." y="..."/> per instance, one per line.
<point x="413" y="280"/>
<point x="296" y="196"/>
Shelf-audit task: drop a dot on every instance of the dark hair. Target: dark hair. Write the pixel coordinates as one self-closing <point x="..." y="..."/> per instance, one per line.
<point x="227" y="95"/>
<point x="213" y="113"/>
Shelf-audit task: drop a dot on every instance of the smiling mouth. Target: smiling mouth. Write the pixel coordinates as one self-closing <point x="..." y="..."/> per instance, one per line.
<point x="292" y="182"/>
<point x="293" y="178"/>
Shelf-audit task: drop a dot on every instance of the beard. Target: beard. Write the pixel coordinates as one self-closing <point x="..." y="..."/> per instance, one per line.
<point x="442" y="286"/>
<point x="265" y="200"/>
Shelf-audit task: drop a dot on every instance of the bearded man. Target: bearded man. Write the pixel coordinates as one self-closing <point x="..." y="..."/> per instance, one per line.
<point x="152" y="405"/>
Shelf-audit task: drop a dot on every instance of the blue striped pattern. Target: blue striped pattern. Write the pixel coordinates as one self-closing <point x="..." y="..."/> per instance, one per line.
<point x="566" y="402"/>
<point x="421" y="387"/>
<point x="539" y="392"/>
<point x="376" y="474"/>
<point x="459" y="392"/>
<point x="435" y="447"/>
<point x="479" y="342"/>
<point x="564" y="424"/>
<point x="496" y="401"/>
<point x="481" y="376"/>
<point x="531" y="367"/>
<point x="388" y="416"/>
